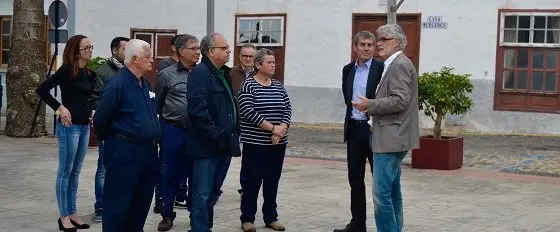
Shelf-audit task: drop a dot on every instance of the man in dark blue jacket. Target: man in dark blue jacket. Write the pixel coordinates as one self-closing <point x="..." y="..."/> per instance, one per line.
<point x="213" y="133"/>
<point x="126" y="118"/>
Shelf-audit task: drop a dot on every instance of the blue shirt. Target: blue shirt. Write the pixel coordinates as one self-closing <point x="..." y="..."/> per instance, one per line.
<point x="127" y="106"/>
<point x="359" y="87"/>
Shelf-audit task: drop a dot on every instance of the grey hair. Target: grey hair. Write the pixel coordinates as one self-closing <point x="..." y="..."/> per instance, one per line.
<point x="208" y="42"/>
<point x="135" y="47"/>
<point x="363" y="35"/>
<point x="247" y="45"/>
<point x="393" y="31"/>
<point x="182" y="41"/>
<point x="260" y="54"/>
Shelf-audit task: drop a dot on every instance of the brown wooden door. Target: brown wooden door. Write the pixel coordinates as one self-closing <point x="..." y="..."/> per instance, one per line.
<point x="278" y="55"/>
<point x="410" y="23"/>
<point x="160" y="41"/>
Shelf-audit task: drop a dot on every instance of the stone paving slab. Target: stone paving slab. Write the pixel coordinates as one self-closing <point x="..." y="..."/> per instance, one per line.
<point x="534" y="155"/>
<point x="313" y="196"/>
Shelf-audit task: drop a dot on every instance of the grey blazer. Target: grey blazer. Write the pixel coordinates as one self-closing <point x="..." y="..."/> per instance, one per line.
<point x="394" y="110"/>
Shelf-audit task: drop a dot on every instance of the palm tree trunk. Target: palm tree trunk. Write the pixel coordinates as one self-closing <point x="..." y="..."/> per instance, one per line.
<point x="26" y="69"/>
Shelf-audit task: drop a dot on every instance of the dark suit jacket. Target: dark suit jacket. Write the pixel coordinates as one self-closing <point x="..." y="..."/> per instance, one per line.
<point x="348" y="72"/>
<point x="214" y="129"/>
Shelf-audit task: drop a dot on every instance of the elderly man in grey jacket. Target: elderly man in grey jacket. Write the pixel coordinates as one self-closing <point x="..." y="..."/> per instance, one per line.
<point x="171" y="103"/>
<point x="395" y="125"/>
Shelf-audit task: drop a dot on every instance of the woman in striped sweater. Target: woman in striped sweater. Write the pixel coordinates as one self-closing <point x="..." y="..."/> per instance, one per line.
<point x="265" y="117"/>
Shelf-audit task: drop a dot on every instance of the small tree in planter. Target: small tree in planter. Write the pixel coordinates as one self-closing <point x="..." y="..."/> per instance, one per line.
<point x="440" y="93"/>
<point x="92" y="65"/>
<point x="95" y="62"/>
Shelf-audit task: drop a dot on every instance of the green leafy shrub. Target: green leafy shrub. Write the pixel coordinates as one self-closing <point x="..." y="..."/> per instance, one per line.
<point x="444" y="92"/>
<point x="95" y="62"/>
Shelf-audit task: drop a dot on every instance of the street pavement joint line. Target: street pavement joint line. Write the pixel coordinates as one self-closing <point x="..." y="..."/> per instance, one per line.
<point x="461" y="172"/>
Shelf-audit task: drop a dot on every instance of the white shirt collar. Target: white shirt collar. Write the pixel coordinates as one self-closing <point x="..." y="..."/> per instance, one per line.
<point x="389" y="60"/>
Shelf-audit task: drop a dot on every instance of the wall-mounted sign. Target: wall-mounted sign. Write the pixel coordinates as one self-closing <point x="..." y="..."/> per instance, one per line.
<point x="434" y="22"/>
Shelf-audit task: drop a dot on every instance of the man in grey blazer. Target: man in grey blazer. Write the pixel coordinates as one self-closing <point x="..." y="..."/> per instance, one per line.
<point x="394" y="113"/>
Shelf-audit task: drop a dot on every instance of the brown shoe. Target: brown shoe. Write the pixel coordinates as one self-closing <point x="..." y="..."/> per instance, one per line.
<point x="248" y="227"/>
<point x="276" y="226"/>
<point x="165" y="224"/>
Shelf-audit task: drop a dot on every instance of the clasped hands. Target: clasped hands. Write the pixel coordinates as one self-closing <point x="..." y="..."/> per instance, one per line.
<point x="278" y="132"/>
<point x="361" y="105"/>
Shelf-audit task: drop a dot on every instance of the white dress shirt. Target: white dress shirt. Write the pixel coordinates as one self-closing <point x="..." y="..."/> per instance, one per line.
<point x="386" y="64"/>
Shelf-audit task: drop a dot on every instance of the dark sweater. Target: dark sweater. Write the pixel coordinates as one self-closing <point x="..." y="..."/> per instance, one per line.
<point x="74" y="92"/>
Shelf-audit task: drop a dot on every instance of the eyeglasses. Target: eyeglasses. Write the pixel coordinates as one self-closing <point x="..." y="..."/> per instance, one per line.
<point x="247" y="56"/>
<point x="87" y="48"/>
<point x="194" y="48"/>
<point x="223" y="47"/>
<point x="383" y="39"/>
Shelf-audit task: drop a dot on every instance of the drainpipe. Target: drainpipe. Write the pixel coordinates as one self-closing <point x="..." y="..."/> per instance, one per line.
<point x="209" y="16"/>
<point x="71" y="22"/>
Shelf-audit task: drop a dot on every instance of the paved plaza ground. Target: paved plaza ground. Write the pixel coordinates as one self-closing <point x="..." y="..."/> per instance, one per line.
<point x="314" y="193"/>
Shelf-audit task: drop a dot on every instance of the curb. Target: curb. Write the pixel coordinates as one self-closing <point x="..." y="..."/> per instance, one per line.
<point x="426" y="131"/>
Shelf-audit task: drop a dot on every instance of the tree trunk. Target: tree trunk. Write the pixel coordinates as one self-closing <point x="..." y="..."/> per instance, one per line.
<point x="437" y="126"/>
<point x="26" y="69"/>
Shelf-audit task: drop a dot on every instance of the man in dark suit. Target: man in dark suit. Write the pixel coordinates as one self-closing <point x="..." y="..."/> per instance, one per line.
<point x="213" y="131"/>
<point x="359" y="78"/>
<point x="395" y="119"/>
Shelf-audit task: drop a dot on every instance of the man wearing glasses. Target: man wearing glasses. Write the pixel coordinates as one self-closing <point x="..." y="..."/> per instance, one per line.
<point x="213" y="132"/>
<point x="245" y="67"/>
<point x="171" y="105"/>
<point x="239" y="73"/>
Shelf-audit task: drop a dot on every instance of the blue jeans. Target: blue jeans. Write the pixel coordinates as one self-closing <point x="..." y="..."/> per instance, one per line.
<point x="175" y="166"/>
<point x="99" y="178"/>
<point x="387" y="197"/>
<point x="72" y="148"/>
<point x="208" y="175"/>
<point x="157" y="187"/>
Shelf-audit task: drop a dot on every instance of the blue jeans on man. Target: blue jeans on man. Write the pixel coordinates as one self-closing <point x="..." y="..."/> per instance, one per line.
<point x="99" y="183"/>
<point x="387" y="197"/>
<point x="175" y="166"/>
<point x="208" y="177"/>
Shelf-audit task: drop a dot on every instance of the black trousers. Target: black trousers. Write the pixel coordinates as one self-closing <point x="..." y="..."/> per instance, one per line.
<point x="131" y="171"/>
<point x="358" y="150"/>
<point x="261" y="165"/>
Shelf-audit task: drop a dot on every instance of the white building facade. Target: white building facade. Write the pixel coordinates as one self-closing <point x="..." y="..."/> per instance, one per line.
<point x="511" y="47"/>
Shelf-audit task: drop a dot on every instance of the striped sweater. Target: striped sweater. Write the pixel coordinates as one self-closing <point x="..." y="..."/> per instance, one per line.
<point x="257" y="103"/>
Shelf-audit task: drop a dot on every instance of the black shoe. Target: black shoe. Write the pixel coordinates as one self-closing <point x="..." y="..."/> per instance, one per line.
<point x="181" y="204"/>
<point x="353" y="227"/>
<point x="61" y="227"/>
<point x="79" y="226"/>
<point x="240" y="191"/>
<point x="165" y="224"/>
<point x="158" y="207"/>
<point x="97" y="215"/>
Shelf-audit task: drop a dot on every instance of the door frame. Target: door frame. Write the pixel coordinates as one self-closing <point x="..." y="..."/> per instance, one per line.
<point x="151" y="75"/>
<point x="237" y="47"/>
<point x="356" y="17"/>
